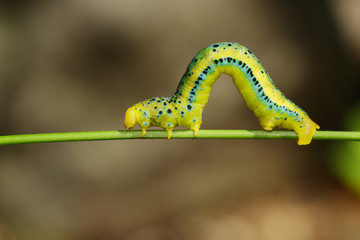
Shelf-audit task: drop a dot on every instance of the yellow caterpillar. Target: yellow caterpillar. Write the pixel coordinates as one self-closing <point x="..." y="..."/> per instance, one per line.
<point x="185" y="107"/>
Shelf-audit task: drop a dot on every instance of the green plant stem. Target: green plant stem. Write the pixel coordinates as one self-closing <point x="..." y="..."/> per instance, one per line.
<point x="177" y="134"/>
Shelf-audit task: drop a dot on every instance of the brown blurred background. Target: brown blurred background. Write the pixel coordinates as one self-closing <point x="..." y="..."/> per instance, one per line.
<point x="76" y="65"/>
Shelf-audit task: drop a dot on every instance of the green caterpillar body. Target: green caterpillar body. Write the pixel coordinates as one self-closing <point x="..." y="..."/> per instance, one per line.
<point x="185" y="107"/>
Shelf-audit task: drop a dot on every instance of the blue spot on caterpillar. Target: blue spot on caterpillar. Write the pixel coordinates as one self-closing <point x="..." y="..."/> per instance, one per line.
<point x="185" y="107"/>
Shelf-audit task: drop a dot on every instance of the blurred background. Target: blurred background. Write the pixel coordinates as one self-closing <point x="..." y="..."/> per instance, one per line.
<point x="77" y="65"/>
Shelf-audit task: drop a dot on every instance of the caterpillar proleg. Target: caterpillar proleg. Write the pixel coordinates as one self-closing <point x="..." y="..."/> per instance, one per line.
<point x="185" y="106"/>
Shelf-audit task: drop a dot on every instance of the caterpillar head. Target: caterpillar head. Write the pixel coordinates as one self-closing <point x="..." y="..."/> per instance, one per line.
<point x="138" y="114"/>
<point x="130" y="118"/>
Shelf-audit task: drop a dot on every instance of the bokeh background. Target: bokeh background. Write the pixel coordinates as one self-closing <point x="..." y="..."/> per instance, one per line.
<point x="77" y="65"/>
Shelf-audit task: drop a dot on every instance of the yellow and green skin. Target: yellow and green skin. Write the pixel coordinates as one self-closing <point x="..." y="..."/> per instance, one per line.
<point x="185" y="107"/>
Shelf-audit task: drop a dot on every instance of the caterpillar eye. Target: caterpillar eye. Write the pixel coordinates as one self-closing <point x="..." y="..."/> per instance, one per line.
<point x="130" y="118"/>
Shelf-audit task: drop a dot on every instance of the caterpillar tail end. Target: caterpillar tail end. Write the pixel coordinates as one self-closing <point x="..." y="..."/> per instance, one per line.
<point x="307" y="132"/>
<point x="130" y="118"/>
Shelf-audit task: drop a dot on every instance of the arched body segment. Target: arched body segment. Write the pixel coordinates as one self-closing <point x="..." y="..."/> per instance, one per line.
<point x="185" y="106"/>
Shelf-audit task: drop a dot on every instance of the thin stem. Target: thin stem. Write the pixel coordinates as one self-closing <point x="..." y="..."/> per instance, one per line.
<point x="177" y="134"/>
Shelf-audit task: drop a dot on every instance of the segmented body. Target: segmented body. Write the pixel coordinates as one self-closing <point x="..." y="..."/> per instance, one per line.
<point x="185" y="107"/>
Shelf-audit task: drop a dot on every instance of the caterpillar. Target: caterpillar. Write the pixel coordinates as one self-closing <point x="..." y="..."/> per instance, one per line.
<point x="185" y="106"/>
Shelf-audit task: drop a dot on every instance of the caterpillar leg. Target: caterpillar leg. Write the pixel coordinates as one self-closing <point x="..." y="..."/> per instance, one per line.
<point x="268" y="127"/>
<point x="143" y="131"/>
<point x="195" y="128"/>
<point x="169" y="131"/>
<point x="267" y="124"/>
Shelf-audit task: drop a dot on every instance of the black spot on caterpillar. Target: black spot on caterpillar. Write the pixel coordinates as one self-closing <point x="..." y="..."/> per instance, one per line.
<point x="185" y="107"/>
